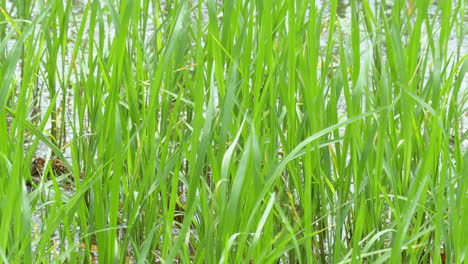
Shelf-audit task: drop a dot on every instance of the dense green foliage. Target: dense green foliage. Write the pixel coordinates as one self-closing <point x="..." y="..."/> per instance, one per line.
<point x="267" y="131"/>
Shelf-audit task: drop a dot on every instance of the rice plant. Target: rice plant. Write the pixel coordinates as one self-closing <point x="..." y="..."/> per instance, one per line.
<point x="267" y="131"/>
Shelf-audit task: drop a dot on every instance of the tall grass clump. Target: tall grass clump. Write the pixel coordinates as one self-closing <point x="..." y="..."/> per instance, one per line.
<point x="270" y="131"/>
